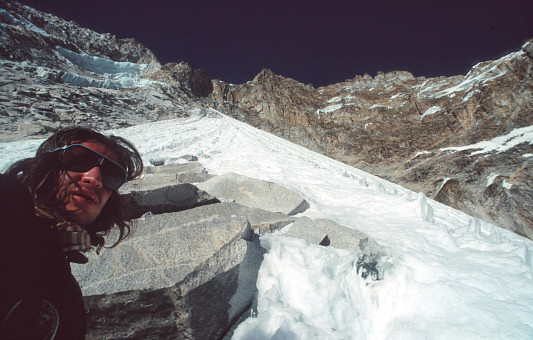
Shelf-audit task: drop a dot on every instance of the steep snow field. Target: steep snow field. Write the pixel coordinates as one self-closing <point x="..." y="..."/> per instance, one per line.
<point x="446" y="275"/>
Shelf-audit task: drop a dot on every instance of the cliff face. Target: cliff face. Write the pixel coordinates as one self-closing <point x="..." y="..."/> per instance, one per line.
<point x="410" y="130"/>
<point x="421" y="133"/>
<point x="35" y="36"/>
<point x="54" y="73"/>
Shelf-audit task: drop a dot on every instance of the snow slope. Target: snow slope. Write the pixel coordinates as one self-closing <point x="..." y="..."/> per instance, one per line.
<point x="446" y="275"/>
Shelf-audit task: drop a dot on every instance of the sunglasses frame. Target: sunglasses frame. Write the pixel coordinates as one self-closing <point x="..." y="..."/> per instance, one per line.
<point x="99" y="161"/>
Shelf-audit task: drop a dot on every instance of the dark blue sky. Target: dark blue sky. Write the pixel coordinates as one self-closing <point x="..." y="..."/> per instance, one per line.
<point x="319" y="42"/>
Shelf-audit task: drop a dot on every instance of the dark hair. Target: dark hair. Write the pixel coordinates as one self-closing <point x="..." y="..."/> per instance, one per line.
<point x="41" y="175"/>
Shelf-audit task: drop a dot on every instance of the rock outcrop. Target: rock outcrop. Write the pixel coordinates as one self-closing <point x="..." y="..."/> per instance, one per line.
<point x="196" y="83"/>
<point x="164" y="189"/>
<point x="191" y="274"/>
<point x="255" y="193"/>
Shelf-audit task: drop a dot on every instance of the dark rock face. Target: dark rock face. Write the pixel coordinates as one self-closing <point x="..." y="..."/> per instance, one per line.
<point x="158" y="314"/>
<point x="195" y="82"/>
<point x="167" y="199"/>
<point x="272" y="103"/>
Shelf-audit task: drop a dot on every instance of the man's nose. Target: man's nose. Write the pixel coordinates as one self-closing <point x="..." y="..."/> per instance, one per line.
<point x="93" y="177"/>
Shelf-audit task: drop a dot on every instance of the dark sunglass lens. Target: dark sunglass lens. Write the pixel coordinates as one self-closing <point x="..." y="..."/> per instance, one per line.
<point x="112" y="183"/>
<point x="113" y="176"/>
<point x="79" y="159"/>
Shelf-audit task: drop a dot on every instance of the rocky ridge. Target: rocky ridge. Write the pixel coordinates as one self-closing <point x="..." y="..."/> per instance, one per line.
<point x="55" y="73"/>
<point x="413" y="131"/>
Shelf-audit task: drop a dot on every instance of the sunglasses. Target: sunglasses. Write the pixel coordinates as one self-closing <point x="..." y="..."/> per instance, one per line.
<point x="79" y="158"/>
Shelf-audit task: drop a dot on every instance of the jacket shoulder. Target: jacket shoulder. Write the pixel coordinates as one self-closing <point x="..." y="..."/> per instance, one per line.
<point x="15" y="200"/>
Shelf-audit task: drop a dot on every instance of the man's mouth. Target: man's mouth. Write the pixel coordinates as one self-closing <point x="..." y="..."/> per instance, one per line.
<point x="84" y="197"/>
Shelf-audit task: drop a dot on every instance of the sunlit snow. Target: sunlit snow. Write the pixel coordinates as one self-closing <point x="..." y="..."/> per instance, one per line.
<point x="507" y="185"/>
<point x="500" y="143"/>
<point x="334" y="100"/>
<point x="446" y="275"/>
<point x="376" y="107"/>
<point x="491" y="178"/>
<point x="430" y="111"/>
<point x="329" y="109"/>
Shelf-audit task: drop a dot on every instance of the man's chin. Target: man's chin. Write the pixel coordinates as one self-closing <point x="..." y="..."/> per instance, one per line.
<point x="80" y="216"/>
